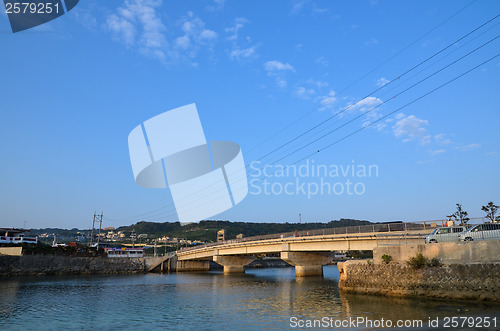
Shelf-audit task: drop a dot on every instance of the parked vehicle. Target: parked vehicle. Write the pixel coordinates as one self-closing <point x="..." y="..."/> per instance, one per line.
<point x="482" y="232"/>
<point x="445" y="234"/>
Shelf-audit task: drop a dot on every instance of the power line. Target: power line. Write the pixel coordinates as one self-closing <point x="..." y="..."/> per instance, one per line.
<point x="346" y="108"/>
<point x="365" y="75"/>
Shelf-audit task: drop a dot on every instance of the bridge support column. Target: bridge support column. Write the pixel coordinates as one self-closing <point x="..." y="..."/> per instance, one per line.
<point x="233" y="264"/>
<point x="307" y="264"/>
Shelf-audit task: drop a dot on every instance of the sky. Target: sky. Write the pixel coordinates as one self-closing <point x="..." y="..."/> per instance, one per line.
<point x="262" y="74"/>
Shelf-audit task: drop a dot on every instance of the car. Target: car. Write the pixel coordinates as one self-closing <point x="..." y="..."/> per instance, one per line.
<point x="482" y="232"/>
<point x="445" y="234"/>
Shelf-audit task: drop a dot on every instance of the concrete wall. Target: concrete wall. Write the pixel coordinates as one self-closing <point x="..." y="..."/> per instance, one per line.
<point x="48" y="264"/>
<point x="453" y="281"/>
<point x="487" y="251"/>
<point x="192" y="266"/>
<point x="16" y="251"/>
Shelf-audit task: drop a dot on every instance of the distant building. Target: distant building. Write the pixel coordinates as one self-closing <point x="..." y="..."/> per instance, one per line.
<point x="221" y="235"/>
<point x="15" y="236"/>
<point x="240" y="236"/>
<point x="116" y="252"/>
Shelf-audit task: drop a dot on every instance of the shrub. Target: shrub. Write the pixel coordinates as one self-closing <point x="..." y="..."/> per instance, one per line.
<point x="417" y="262"/>
<point x="420" y="261"/>
<point x="434" y="262"/>
<point x="386" y="258"/>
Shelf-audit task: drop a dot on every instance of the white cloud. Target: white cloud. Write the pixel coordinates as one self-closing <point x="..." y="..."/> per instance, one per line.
<point x="441" y="139"/>
<point x="317" y="83"/>
<point x="366" y="104"/>
<point x="304" y="93"/>
<point x="297" y="6"/>
<point x="271" y="66"/>
<point x="371" y="42"/>
<point x="438" y="151"/>
<point x="470" y="147"/>
<point x="411" y="128"/>
<point x="280" y="82"/>
<point x="219" y="5"/>
<point x="236" y="54"/>
<point x="208" y="34"/>
<point x="382" y="81"/>
<point x="183" y="42"/>
<point x="239" y="23"/>
<point x="328" y="101"/>
<point x="322" y="62"/>
<point x="137" y="24"/>
<point x="317" y="10"/>
<point x="278" y="70"/>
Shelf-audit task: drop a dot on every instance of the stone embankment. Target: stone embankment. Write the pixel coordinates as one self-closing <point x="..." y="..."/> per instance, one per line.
<point x="60" y="265"/>
<point x="467" y="271"/>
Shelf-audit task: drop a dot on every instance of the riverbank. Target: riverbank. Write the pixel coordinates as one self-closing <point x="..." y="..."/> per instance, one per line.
<point x="478" y="282"/>
<point x="458" y="271"/>
<point x="35" y="265"/>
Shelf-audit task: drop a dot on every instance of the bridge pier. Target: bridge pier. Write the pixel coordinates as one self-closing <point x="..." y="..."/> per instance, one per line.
<point x="307" y="264"/>
<point x="233" y="264"/>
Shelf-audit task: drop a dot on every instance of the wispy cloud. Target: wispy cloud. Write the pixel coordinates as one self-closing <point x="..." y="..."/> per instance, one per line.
<point x="304" y="93"/>
<point x="137" y="24"/>
<point x="328" y="101"/>
<point x="469" y="147"/>
<point x="194" y="36"/>
<point x="237" y="54"/>
<point x="442" y="140"/>
<point x="297" y="6"/>
<point x="217" y="5"/>
<point x="278" y="70"/>
<point x="382" y="81"/>
<point x="274" y="66"/>
<point x="371" y="42"/>
<point x="241" y="47"/>
<point x="438" y="151"/>
<point x="239" y="23"/>
<point x="322" y="62"/>
<point x="411" y="128"/>
<point x="366" y="104"/>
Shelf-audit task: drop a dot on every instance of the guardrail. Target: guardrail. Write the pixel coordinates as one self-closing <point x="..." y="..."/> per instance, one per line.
<point x="372" y="228"/>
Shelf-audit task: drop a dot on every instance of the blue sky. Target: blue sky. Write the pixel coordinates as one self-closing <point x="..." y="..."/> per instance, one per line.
<point x="73" y="89"/>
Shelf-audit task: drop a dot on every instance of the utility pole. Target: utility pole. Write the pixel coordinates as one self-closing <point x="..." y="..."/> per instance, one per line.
<point x="132" y="237"/>
<point x="300" y="218"/>
<point x="97" y="218"/>
<point x="156" y="241"/>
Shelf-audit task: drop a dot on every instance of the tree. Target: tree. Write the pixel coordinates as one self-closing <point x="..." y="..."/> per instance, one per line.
<point x="460" y="215"/>
<point x="490" y="209"/>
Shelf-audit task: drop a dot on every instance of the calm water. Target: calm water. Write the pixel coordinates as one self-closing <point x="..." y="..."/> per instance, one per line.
<point x="259" y="299"/>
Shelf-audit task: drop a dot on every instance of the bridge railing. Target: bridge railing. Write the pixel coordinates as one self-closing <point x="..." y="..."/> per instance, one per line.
<point x="362" y="229"/>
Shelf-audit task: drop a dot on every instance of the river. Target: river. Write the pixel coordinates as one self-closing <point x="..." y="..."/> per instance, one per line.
<point x="259" y="299"/>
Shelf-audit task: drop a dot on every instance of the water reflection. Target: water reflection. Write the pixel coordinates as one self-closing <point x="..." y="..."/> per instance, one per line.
<point x="262" y="298"/>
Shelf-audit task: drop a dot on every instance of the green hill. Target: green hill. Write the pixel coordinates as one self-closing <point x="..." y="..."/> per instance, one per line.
<point x="207" y="230"/>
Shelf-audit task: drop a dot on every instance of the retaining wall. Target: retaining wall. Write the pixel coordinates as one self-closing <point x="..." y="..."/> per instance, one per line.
<point x="465" y="281"/>
<point x="48" y="264"/>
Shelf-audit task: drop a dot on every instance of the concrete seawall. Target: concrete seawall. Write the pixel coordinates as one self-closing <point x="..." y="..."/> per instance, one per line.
<point x="59" y="265"/>
<point x="467" y="271"/>
<point x="454" y="281"/>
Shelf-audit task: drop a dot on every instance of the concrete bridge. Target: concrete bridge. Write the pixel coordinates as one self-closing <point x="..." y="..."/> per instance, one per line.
<point x="307" y="251"/>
